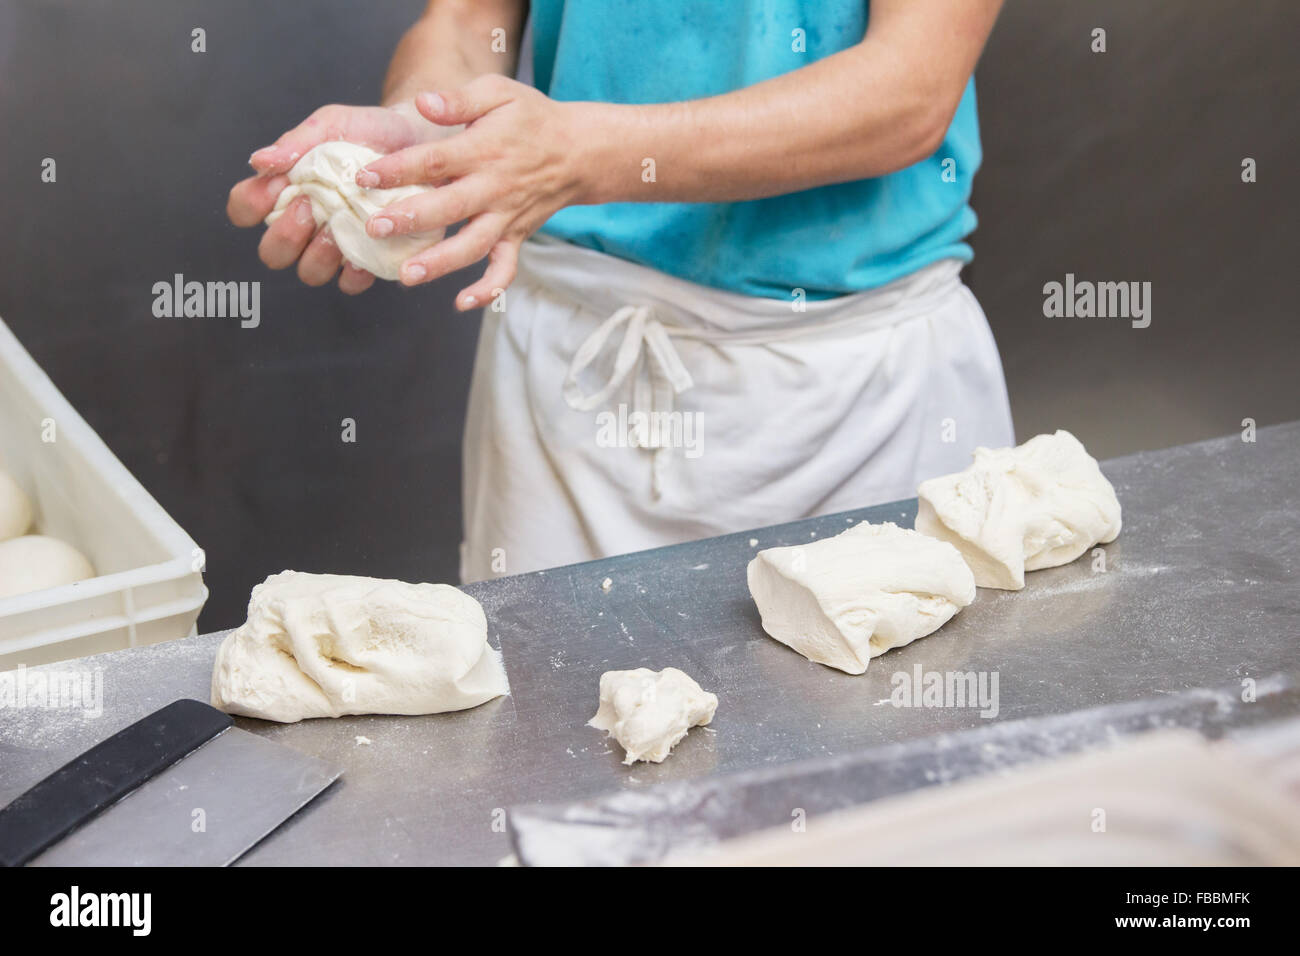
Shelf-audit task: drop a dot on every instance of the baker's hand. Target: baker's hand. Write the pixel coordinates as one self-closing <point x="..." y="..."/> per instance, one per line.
<point x="505" y="174"/>
<point x="294" y="236"/>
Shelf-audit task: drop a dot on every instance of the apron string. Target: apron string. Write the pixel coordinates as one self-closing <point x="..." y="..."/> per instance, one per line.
<point x="645" y="341"/>
<point x="643" y="334"/>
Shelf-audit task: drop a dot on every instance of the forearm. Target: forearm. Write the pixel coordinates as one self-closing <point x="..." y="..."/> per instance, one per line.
<point x="776" y="137"/>
<point x="452" y="44"/>
<point x="867" y="111"/>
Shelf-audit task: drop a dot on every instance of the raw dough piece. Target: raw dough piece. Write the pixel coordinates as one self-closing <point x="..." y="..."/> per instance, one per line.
<point x="15" y="508"/>
<point x="1038" y="505"/>
<point x="647" y="711"/>
<point x="35" y="562"/>
<point x="327" y="175"/>
<point x="326" y="645"/>
<point x="844" y="600"/>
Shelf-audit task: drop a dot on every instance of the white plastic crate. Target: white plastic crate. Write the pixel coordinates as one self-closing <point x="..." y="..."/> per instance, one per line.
<point x="148" y="589"/>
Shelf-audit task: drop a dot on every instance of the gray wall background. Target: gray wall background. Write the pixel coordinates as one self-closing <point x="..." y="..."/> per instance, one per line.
<point x="1118" y="166"/>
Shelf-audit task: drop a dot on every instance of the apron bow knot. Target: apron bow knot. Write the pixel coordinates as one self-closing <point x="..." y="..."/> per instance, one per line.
<point x="645" y="353"/>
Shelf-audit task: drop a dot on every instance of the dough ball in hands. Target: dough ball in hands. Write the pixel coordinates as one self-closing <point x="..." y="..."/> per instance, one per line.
<point x="1038" y="505"/>
<point x="15" y="508"/>
<point x="35" y="562"/>
<point x="326" y="174"/>
<point x="844" y="600"/>
<point x="326" y="645"/>
<point x="648" y="712"/>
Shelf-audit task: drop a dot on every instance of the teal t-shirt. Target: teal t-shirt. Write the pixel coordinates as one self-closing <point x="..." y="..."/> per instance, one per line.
<point x="828" y="241"/>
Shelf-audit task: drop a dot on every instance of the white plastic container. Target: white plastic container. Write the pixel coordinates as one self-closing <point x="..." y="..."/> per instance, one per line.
<point x="150" y="584"/>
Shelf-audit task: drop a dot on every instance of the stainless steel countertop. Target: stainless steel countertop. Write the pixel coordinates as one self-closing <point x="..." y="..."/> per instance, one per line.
<point x="1201" y="592"/>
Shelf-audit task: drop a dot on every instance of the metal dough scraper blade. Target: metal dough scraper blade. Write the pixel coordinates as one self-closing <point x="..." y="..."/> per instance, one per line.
<point x="181" y="787"/>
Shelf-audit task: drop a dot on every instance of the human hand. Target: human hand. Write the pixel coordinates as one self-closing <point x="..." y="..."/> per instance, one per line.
<point x="504" y="175"/>
<point x="294" y="237"/>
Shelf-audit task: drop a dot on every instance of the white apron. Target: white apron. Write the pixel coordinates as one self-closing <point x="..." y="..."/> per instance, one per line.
<point x="615" y="408"/>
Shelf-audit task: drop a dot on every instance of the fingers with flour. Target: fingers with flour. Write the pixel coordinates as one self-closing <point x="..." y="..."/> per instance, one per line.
<point x="280" y="156"/>
<point x="443" y="159"/>
<point x="251" y="199"/>
<point x="320" y="260"/>
<point x="503" y="261"/>
<point x="286" y="238"/>
<point x="353" y="281"/>
<point x="469" y="102"/>
<point x="433" y="209"/>
<point x="370" y="126"/>
<point x="474" y="241"/>
<point x="423" y="165"/>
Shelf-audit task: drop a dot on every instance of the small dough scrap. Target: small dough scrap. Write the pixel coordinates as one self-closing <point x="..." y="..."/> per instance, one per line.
<point x="327" y="645"/>
<point x="1038" y="505"/>
<point x="326" y="174"/>
<point x="35" y="562"/>
<point x="15" y="508"/>
<point x="648" y="712"/>
<point x="844" y="600"/>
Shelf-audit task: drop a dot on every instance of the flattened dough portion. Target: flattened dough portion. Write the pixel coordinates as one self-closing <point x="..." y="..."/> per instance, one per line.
<point x="326" y="645"/>
<point x="1038" y="505"/>
<point x="648" y="712"/>
<point x="844" y="600"/>
<point x="327" y="176"/>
